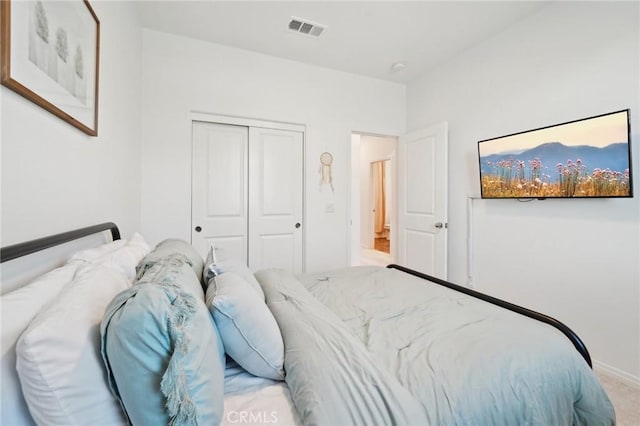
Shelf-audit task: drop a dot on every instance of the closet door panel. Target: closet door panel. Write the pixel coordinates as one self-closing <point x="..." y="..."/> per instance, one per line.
<point x="275" y="199"/>
<point x="220" y="188"/>
<point x="278" y="190"/>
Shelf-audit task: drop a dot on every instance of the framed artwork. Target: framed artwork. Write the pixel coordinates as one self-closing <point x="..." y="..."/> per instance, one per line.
<point x="50" y="55"/>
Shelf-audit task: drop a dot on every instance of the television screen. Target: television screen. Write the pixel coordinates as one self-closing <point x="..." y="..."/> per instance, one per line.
<point x="585" y="158"/>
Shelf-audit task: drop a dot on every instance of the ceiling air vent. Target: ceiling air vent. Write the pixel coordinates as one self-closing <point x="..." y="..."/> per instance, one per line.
<point x="305" y="27"/>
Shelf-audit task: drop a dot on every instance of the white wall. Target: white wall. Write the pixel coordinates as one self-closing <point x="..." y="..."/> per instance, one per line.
<point x="56" y="178"/>
<point x="183" y="75"/>
<point x="577" y="260"/>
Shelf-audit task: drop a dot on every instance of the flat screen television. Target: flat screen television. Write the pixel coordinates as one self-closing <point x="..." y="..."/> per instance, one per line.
<point x="586" y="158"/>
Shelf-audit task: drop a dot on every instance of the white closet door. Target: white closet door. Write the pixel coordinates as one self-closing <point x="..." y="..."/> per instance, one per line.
<point x="275" y="199"/>
<point x="220" y="188"/>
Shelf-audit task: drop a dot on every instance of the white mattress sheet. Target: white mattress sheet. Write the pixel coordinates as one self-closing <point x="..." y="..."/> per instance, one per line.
<point x="251" y="400"/>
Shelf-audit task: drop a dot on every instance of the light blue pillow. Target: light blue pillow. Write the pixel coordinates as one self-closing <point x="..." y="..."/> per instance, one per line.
<point x="220" y="264"/>
<point x="163" y="355"/>
<point x="249" y="331"/>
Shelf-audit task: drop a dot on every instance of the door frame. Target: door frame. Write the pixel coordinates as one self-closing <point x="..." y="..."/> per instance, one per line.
<point x="245" y="121"/>
<point x="351" y="198"/>
<point x="251" y="122"/>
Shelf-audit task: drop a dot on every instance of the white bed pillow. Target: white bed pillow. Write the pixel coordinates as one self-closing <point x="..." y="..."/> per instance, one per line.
<point x="91" y="254"/>
<point x="19" y="307"/>
<point x="249" y="331"/>
<point x="59" y="364"/>
<point x="124" y="256"/>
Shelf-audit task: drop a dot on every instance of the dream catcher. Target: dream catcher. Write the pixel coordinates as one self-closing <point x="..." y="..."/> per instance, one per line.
<point x="326" y="159"/>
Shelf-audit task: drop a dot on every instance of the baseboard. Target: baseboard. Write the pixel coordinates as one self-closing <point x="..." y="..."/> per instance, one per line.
<point x="622" y="376"/>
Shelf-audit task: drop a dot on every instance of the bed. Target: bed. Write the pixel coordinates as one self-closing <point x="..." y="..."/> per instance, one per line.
<point x="119" y="333"/>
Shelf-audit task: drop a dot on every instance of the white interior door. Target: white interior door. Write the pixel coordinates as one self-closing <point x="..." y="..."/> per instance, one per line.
<point x="275" y="199"/>
<point x="422" y="236"/>
<point x="219" y="210"/>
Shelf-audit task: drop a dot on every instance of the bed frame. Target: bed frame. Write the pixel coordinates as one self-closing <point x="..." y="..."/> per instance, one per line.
<point x="18" y="250"/>
<point x="22" y="249"/>
<point x="571" y="335"/>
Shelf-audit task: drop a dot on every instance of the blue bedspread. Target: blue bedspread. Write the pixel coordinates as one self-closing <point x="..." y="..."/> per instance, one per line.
<point x="465" y="361"/>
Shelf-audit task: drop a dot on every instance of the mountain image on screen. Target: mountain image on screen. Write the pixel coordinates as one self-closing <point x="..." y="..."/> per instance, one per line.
<point x="613" y="157"/>
<point x="553" y="169"/>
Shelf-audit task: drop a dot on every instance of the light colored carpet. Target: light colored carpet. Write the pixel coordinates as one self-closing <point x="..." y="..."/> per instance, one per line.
<point x="625" y="399"/>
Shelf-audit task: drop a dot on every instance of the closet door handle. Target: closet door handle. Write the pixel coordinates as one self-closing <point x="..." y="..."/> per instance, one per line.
<point x="298" y="225"/>
<point x="198" y="228"/>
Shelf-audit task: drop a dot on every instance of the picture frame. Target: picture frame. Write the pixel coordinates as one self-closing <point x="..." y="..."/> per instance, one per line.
<point x="50" y="54"/>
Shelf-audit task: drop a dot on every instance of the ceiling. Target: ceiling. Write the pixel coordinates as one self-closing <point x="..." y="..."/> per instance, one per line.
<point x="362" y="37"/>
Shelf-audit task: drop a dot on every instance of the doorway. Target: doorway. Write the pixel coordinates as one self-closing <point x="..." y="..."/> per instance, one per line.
<point x="373" y="201"/>
<point x="381" y="199"/>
